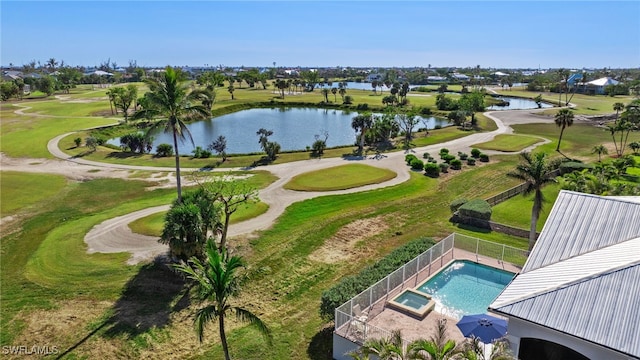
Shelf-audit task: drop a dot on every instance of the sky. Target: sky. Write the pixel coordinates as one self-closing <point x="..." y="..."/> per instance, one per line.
<point x="500" y="34"/>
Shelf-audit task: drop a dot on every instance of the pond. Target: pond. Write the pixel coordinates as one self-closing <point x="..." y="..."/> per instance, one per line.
<point x="517" y="104"/>
<point x="293" y="129"/>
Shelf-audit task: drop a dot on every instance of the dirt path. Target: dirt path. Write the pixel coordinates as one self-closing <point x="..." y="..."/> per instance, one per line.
<point x="115" y="236"/>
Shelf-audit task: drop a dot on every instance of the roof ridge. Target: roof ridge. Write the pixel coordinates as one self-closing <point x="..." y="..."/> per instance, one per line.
<point x="571" y="271"/>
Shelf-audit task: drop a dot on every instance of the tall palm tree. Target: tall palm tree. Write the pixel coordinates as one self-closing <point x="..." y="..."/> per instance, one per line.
<point x="173" y="103"/>
<point x="216" y="282"/>
<point x="564" y="119"/>
<point x="536" y="170"/>
<point x="599" y="149"/>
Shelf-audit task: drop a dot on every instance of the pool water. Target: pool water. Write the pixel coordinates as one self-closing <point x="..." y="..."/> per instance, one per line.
<point x="411" y="299"/>
<point x="465" y="288"/>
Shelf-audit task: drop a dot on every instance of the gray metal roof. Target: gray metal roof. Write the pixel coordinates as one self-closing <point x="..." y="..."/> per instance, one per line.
<point x="583" y="275"/>
<point x="603" y="310"/>
<point x="579" y="223"/>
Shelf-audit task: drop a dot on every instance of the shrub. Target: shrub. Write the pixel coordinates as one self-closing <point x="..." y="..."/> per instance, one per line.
<point x="444" y="167"/>
<point x="476" y="208"/>
<point x="364" y="106"/>
<point x="444" y="151"/>
<point x="448" y="158"/>
<point x="475" y="153"/>
<point x="409" y="157"/>
<point x="200" y="153"/>
<point x="164" y="150"/>
<point x="425" y="111"/>
<point x="471" y="161"/>
<point x="91" y="142"/>
<point x="456" y="164"/>
<point x="484" y="157"/>
<point x="455" y="204"/>
<point x="348" y="99"/>
<point x="432" y="170"/>
<point x="438" y="127"/>
<point x="77" y="141"/>
<point x="417" y="164"/>
<point x="463" y="156"/>
<point x="351" y="286"/>
<point x="426" y="156"/>
<point x="571" y="166"/>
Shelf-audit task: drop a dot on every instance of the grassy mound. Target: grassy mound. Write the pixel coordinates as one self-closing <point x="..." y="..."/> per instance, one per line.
<point x="340" y="178"/>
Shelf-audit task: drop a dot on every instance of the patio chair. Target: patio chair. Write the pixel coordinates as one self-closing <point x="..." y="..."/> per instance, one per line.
<point x="359" y="314"/>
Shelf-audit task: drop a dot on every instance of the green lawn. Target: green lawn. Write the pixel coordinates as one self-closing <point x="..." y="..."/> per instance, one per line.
<point x="21" y="190"/>
<point x="340" y="178"/>
<point x="517" y="210"/>
<point x="505" y="142"/>
<point x="585" y="104"/>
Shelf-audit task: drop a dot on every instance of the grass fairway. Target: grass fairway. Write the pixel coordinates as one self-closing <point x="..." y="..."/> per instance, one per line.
<point x="21" y="190"/>
<point x="585" y="104"/>
<point x="517" y="210"/>
<point x="340" y="178"/>
<point x="505" y="142"/>
<point x="152" y="225"/>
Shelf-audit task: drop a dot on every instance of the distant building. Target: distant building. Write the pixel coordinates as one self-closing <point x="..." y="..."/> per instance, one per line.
<point x="598" y="86"/>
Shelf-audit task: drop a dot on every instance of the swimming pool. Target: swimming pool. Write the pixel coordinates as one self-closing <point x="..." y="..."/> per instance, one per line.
<point x="465" y="287"/>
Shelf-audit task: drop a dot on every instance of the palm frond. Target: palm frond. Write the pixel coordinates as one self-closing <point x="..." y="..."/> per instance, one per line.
<point x="204" y="316"/>
<point x="247" y="316"/>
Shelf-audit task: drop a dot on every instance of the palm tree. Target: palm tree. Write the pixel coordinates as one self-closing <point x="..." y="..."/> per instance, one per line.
<point x="171" y="100"/>
<point x="438" y="347"/>
<point x="334" y="91"/>
<point x="618" y="107"/>
<point x="384" y="348"/>
<point x="216" y="282"/>
<point x="536" y="170"/>
<point x="563" y="118"/>
<point x="599" y="149"/>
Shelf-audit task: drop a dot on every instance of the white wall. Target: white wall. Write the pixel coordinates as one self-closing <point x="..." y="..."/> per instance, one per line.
<point x="342" y="346"/>
<point x="521" y="329"/>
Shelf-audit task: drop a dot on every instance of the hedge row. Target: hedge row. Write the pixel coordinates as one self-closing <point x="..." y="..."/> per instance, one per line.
<point x="351" y="286"/>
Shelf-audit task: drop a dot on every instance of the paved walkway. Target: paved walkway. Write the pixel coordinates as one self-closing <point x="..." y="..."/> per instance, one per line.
<point x="115" y="236"/>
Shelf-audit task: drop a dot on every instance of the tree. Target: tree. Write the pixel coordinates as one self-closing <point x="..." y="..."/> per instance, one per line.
<point x="334" y="91"/>
<point x="325" y="94"/>
<point x="361" y="123"/>
<point x="635" y="146"/>
<point x="311" y="79"/>
<point x="219" y="145"/>
<point x="8" y="89"/>
<point x="342" y="91"/>
<point x="183" y="231"/>
<point x="564" y="119"/>
<point x="123" y="97"/>
<point x="471" y="103"/>
<point x="538" y="100"/>
<point x="91" y="142"/>
<point x="599" y="149"/>
<point x="169" y="99"/>
<point x="231" y="89"/>
<point x="208" y="96"/>
<point x="230" y="194"/>
<point x="319" y="144"/>
<point x="217" y="281"/>
<point x="536" y="170"/>
<point x="77" y="141"/>
<point x="407" y="121"/>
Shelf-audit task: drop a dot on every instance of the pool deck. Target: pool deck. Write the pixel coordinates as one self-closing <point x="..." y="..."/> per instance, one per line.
<point x="380" y="316"/>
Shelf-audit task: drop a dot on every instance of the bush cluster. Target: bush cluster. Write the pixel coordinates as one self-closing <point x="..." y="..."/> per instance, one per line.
<point x="164" y="150"/>
<point x="475" y="153"/>
<point x="417" y="164"/>
<point x="455" y="204"/>
<point x="476" y="208"/>
<point x="431" y="169"/>
<point x="351" y="286"/>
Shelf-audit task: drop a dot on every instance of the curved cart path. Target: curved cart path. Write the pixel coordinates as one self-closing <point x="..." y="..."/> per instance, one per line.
<point x="114" y="235"/>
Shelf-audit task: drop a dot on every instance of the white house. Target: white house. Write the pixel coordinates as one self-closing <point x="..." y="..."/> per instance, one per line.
<point x="597" y="86"/>
<point x="578" y="295"/>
